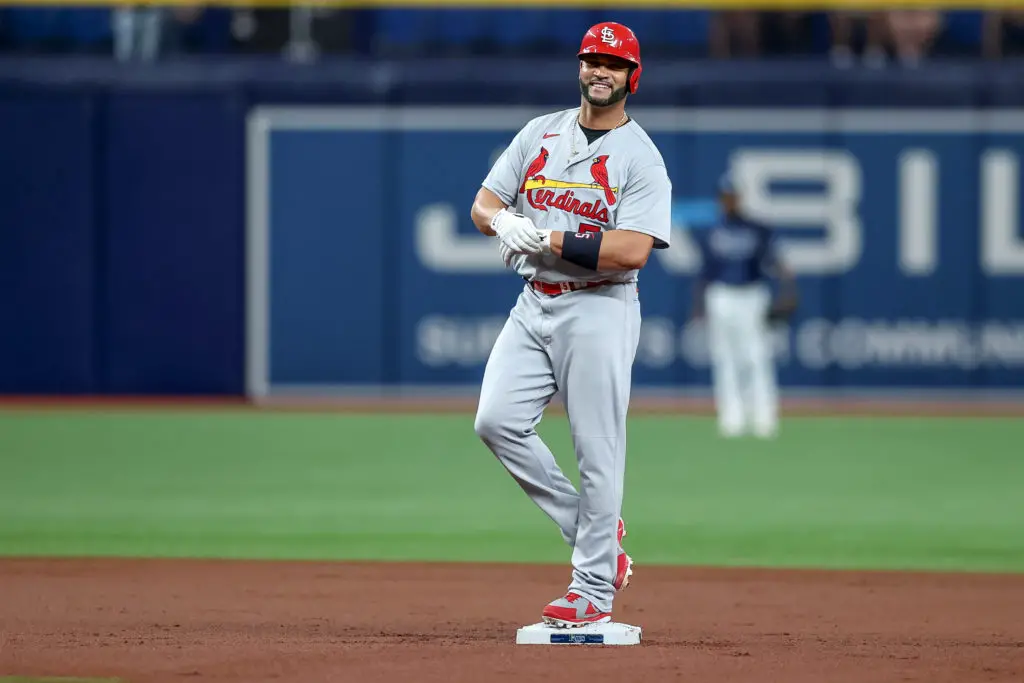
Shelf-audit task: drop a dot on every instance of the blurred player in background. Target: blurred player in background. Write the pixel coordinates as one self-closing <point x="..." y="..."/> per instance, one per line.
<point x="734" y="295"/>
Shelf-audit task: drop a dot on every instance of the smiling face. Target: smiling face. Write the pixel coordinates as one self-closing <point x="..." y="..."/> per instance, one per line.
<point x="603" y="79"/>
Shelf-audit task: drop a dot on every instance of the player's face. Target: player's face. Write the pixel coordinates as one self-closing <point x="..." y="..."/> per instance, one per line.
<point x="603" y="79"/>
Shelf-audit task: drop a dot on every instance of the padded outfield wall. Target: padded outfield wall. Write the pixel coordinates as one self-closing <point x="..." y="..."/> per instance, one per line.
<point x="185" y="229"/>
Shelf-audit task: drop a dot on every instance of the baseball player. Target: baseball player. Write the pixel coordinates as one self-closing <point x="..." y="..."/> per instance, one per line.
<point x="577" y="201"/>
<point x="732" y="291"/>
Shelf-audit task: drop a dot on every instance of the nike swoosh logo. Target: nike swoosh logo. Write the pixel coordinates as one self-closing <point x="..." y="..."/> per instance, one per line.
<point x="551" y="135"/>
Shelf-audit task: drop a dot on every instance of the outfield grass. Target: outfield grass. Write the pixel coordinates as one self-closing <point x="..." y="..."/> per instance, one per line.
<point x="837" y="492"/>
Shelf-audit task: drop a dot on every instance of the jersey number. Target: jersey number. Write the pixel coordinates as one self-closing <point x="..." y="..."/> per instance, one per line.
<point x="587" y="227"/>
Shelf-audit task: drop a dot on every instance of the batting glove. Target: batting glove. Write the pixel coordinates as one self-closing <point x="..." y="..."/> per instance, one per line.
<point x="506" y="253"/>
<point x="517" y="231"/>
<point x="545" y="241"/>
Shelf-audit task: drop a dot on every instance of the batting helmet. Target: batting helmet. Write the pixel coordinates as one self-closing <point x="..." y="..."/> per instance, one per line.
<point x="616" y="40"/>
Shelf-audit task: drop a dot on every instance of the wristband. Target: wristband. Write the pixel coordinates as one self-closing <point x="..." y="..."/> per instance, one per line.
<point x="582" y="248"/>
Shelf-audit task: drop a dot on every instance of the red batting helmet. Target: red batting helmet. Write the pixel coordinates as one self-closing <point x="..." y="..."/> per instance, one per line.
<point x="616" y="40"/>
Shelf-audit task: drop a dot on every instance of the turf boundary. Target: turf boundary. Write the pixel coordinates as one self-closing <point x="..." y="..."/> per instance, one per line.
<point x="864" y="406"/>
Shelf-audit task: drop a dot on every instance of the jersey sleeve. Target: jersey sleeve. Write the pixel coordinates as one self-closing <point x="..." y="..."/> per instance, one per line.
<point x="504" y="177"/>
<point x="646" y="205"/>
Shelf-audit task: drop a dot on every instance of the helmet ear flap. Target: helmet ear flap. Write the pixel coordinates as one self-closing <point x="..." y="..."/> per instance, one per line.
<point x="633" y="80"/>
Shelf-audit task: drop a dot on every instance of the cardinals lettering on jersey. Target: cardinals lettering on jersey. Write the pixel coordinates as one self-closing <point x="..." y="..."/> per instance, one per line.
<point x="541" y="192"/>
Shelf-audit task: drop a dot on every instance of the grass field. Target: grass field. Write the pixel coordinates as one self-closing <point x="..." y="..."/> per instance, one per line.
<point x="844" y="492"/>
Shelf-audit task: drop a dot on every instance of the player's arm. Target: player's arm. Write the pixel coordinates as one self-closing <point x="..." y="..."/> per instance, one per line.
<point x="697" y="308"/>
<point x="788" y="298"/>
<point x="485" y="206"/>
<point x="789" y="294"/>
<point x="613" y="250"/>
<point x="498" y="192"/>
<point x="700" y="283"/>
<point x="491" y="217"/>
<point x="787" y="280"/>
<point x="643" y="222"/>
<point x="499" y="189"/>
<point x="775" y="266"/>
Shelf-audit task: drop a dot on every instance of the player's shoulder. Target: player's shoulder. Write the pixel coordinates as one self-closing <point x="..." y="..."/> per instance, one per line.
<point x="644" y="150"/>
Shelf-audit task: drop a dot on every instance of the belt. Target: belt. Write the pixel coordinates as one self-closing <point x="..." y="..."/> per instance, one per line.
<point x="556" y="288"/>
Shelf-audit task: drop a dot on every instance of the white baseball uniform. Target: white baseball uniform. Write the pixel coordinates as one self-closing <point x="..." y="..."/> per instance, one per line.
<point x="738" y="256"/>
<point x="581" y="343"/>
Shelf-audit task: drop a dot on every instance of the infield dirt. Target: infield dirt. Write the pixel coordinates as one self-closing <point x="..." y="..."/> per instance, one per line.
<point x="174" y="620"/>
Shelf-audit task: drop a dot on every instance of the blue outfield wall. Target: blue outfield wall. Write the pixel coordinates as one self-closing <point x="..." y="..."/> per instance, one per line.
<point x="216" y="228"/>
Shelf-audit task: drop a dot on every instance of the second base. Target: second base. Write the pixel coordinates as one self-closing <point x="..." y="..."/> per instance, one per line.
<point x="609" y="633"/>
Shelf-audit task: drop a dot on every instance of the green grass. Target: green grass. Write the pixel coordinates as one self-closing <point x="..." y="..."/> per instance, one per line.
<point x="844" y="492"/>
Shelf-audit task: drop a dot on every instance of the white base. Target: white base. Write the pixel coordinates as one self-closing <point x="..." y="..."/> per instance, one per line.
<point x="608" y="633"/>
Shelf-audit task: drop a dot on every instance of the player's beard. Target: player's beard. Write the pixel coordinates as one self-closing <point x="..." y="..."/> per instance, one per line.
<point x="613" y="97"/>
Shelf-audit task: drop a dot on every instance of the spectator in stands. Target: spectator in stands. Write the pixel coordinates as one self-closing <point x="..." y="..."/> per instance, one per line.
<point x="787" y="33"/>
<point x="913" y="33"/>
<point x="735" y="34"/>
<point x="138" y="33"/>
<point x="844" y="25"/>
<point x="1003" y="34"/>
<point x="145" y="33"/>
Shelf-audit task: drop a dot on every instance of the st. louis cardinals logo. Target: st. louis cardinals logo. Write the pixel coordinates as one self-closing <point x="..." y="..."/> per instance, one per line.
<point x="599" y="172"/>
<point x="535" y="167"/>
<point x="541" y="191"/>
<point x="608" y="36"/>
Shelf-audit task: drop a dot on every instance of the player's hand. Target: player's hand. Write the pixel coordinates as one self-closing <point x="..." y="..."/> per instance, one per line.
<point x="545" y="241"/>
<point x="517" y="231"/>
<point x="506" y="253"/>
<point x="782" y="310"/>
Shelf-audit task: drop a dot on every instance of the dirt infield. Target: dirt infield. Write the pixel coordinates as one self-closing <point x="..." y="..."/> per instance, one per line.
<point x="151" y="620"/>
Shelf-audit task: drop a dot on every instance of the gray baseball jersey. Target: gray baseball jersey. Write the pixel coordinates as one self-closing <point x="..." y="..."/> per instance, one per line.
<point x="551" y="174"/>
<point x="579" y="343"/>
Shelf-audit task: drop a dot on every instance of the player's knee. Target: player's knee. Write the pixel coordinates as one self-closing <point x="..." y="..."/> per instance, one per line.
<point x="491" y="425"/>
<point x="487" y="425"/>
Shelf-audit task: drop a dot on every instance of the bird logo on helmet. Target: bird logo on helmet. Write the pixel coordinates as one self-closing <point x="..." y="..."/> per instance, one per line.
<point x="615" y="40"/>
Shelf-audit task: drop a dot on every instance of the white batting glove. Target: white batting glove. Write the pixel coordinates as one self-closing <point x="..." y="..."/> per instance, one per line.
<point x="517" y="231"/>
<point x="545" y="241"/>
<point x="506" y="253"/>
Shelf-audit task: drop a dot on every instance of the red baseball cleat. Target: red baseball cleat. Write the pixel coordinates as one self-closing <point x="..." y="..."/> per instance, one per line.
<point x="573" y="610"/>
